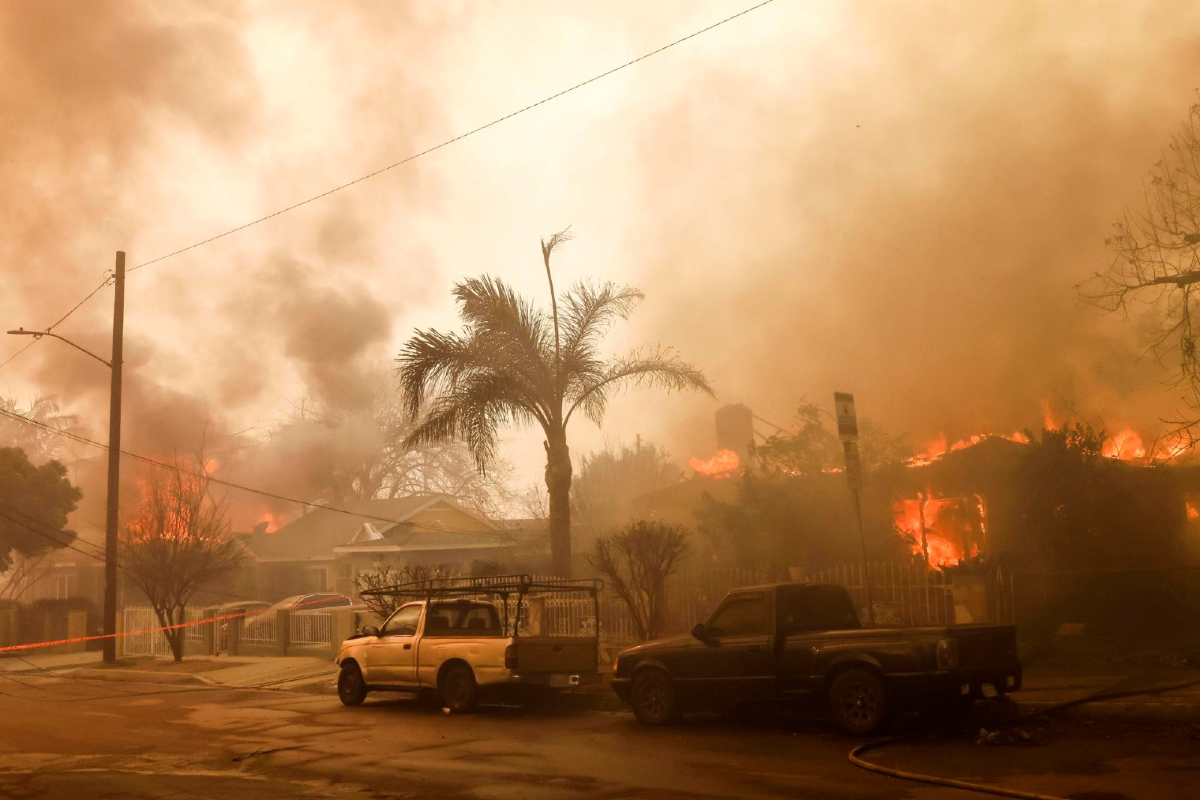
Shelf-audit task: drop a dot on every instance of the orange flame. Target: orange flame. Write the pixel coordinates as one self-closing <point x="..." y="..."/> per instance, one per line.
<point x="272" y="521"/>
<point x="721" y="465"/>
<point x="946" y="524"/>
<point x="938" y="447"/>
<point x="1192" y="511"/>
<point x="1126" y="446"/>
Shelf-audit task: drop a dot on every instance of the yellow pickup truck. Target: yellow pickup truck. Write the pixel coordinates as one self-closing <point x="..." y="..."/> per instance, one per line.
<point x="467" y="637"/>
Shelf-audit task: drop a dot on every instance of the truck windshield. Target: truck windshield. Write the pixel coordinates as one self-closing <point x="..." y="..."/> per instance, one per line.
<point x="463" y="619"/>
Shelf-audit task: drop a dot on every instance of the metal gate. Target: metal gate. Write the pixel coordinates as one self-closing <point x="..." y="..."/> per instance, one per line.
<point x="142" y="636"/>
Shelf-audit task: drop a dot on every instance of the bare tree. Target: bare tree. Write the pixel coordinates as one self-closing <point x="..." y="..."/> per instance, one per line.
<point x="177" y="542"/>
<point x="363" y="454"/>
<point x="609" y="479"/>
<point x="1156" y="259"/>
<point x="388" y="575"/>
<point x="636" y="562"/>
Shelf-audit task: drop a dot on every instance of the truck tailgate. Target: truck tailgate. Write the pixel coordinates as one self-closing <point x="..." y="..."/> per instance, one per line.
<point x="574" y="654"/>
<point x="986" y="646"/>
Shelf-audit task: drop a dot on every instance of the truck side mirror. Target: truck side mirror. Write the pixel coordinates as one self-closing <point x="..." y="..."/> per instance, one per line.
<point x="370" y="630"/>
<point x="701" y="633"/>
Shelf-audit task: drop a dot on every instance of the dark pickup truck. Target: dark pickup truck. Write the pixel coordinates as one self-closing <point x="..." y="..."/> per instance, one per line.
<point x="771" y="642"/>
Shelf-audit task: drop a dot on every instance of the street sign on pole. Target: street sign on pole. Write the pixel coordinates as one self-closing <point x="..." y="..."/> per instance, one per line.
<point x="853" y="464"/>
<point x="847" y="420"/>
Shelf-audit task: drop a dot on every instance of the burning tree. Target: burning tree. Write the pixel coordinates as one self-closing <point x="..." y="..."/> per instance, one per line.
<point x="636" y="562"/>
<point x="177" y="542"/>
<point x="513" y="363"/>
<point x="1156" y="258"/>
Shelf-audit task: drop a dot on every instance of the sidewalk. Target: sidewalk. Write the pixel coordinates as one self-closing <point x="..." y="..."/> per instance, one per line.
<point x="1041" y="692"/>
<point x="32" y="661"/>
<point x="295" y="673"/>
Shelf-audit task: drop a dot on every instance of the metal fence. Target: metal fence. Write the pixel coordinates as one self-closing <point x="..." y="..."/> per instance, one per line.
<point x="310" y="627"/>
<point x="142" y="635"/>
<point x="907" y="595"/>
<point x="259" y="631"/>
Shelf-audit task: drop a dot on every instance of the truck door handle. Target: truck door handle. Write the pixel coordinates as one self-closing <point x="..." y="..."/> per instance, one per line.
<point x="755" y="648"/>
<point x="408" y="647"/>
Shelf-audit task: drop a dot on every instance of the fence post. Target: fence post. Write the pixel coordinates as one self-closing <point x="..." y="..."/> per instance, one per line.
<point x="283" y="631"/>
<point x="233" y="636"/>
<point x="209" y="631"/>
<point x="342" y="625"/>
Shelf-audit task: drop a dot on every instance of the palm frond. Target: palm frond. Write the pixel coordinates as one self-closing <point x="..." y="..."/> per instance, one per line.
<point x="431" y="362"/>
<point x="473" y="411"/>
<point x="656" y="367"/>
<point x="588" y="312"/>
<point x="508" y="327"/>
<point x="557" y="240"/>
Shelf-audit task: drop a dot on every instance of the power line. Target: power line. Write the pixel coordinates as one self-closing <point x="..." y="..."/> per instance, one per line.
<point x="14" y="355"/>
<point x="460" y="137"/>
<point x="106" y="282"/>
<point x="401" y="162"/>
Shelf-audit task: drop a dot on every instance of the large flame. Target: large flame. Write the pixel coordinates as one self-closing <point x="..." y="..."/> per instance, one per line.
<point x="721" y="465"/>
<point x="941" y="526"/>
<point x="938" y="447"/>
<point x="1126" y="445"/>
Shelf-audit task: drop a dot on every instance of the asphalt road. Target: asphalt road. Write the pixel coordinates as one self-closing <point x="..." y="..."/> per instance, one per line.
<point x="77" y="739"/>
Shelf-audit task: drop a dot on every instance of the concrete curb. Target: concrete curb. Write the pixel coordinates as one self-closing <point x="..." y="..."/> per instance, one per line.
<point x="1115" y="711"/>
<point x="142" y="676"/>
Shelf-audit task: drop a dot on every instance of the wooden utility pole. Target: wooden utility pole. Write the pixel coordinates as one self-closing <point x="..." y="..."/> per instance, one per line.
<point x="114" y="467"/>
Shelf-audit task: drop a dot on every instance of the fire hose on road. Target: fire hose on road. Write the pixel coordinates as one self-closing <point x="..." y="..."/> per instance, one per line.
<point x="934" y="780"/>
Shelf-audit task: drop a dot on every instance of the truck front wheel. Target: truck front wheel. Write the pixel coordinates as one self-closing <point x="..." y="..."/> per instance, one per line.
<point x="459" y="691"/>
<point x="858" y="702"/>
<point x="653" y="698"/>
<point x="352" y="689"/>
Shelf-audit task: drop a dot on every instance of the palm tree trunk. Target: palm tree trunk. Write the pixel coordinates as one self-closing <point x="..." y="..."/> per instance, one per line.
<point x="558" y="486"/>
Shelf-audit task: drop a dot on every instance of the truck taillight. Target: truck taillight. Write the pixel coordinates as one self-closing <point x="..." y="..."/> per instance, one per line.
<point x="947" y="654"/>
<point x="510" y="657"/>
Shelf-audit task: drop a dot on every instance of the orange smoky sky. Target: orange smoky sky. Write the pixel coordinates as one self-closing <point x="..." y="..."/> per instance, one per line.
<point x="893" y="199"/>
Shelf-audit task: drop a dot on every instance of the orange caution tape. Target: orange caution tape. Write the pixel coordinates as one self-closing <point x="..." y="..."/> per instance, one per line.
<point x="99" y="636"/>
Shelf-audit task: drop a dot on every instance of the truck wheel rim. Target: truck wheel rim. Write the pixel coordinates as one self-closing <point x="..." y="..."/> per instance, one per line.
<point x="653" y="696"/>
<point x="349" y="684"/>
<point x="858" y="703"/>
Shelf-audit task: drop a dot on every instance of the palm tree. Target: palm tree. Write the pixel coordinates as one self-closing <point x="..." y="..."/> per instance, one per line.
<point x="514" y="364"/>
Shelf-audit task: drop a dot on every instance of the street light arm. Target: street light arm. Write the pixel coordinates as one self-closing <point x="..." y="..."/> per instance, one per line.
<point x="40" y="334"/>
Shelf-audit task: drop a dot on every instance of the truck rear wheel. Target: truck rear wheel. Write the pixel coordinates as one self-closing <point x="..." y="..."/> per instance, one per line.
<point x="653" y="698"/>
<point x="352" y="689"/>
<point x="858" y="702"/>
<point x="459" y="691"/>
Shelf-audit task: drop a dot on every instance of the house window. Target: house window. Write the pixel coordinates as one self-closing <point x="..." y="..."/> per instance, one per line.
<point x="317" y="579"/>
<point x="64" y="586"/>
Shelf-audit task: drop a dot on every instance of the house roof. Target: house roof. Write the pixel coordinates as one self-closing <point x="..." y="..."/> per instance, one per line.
<point x="314" y="536"/>
<point x="404" y="539"/>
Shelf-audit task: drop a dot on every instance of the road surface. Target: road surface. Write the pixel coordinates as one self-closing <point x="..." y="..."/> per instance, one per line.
<point x="62" y="738"/>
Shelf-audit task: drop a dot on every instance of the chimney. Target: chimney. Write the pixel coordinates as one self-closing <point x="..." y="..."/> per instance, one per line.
<point x="735" y="430"/>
